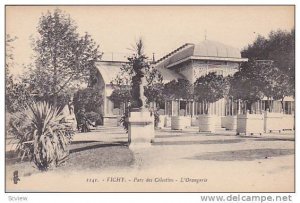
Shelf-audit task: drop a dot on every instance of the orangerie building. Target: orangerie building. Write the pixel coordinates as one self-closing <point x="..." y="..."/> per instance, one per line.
<point x="189" y="61"/>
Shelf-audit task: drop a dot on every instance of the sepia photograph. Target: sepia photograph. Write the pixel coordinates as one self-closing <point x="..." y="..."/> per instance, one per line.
<point x="156" y="98"/>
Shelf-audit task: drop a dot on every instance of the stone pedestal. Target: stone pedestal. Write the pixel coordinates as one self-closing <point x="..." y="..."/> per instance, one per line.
<point x="140" y="129"/>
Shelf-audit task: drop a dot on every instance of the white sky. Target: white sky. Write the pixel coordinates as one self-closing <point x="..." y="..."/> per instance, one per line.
<point x="163" y="28"/>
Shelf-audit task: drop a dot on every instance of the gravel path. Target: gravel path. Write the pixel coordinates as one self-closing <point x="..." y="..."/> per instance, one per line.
<point x="227" y="163"/>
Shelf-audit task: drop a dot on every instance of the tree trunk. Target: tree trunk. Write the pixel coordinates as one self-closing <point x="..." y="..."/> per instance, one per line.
<point x="239" y="107"/>
<point x="232" y="107"/>
<point x="282" y="106"/>
<point x="270" y="106"/>
<point x="178" y="107"/>
<point x="206" y="107"/>
<point x="54" y="82"/>
<point x="248" y="106"/>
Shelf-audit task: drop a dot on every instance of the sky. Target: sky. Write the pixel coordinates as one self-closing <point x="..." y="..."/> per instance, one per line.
<point x="163" y="28"/>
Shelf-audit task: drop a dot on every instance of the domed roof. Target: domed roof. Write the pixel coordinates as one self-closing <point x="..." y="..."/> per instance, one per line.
<point x="209" y="48"/>
<point x="206" y="50"/>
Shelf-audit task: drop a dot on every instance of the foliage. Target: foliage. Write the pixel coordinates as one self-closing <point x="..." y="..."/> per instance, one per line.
<point x="127" y="83"/>
<point x="87" y="105"/>
<point x="169" y="90"/>
<point x="142" y="72"/>
<point x="41" y="124"/>
<point x="17" y="127"/>
<point x="94" y="117"/>
<point x="124" y="117"/>
<point x="154" y="93"/>
<point x="156" y="117"/>
<point x="63" y="59"/>
<point x="9" y="54"/>
<point x="89" y="99"/>
<point x="120" y="95"/>
<point x="17" y="95"/>
<point x="257" y="79"/>
<point x="277" y="84"/>
<point x="248" y="84"/>
<point x="210" y="88"/>
<point x="279" y="47"/>
<point x="181" y="89"/>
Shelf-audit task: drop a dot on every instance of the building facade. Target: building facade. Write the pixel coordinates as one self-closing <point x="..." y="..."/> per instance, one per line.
<point x="190" y="61"/>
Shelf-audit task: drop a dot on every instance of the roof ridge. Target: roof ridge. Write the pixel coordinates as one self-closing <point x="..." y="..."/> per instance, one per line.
<point x="173" y="52"/>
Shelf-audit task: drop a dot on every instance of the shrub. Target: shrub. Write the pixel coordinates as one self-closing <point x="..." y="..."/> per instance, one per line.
<point x="124" y="119"/>
<point x="94" y="117"/>
<point x="18" y="128"/>
<point x="41" y="124"/>
<point x="90" y="101"/>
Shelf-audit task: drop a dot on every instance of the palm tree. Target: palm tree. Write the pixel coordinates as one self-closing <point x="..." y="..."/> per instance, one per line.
<point x="46" y="132"/>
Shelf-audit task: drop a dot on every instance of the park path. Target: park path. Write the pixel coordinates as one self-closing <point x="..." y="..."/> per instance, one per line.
<point x="227" y="163"/>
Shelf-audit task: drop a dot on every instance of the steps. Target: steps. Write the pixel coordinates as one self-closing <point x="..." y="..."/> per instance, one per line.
<point x="110" y="121"/>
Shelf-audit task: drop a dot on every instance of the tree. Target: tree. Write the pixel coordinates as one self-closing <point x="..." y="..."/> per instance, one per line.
<point x="181" y="89"/>
<point x="122" y="87"/>
<point x="257" y="50"/>
<point x="17" y="95"/>
<point x="9" y="55"/>
<point x="64" y="59"/>
<point x="120" y="95"/>
<point x="87" y="103"/>
<point x="277" y="85"/>
<point x="248" y="84"/>
<point x="279" y="48"/>
<point x="154" y="93"/>
<point x="278" y="74"/>
<point x="210" y="88"/>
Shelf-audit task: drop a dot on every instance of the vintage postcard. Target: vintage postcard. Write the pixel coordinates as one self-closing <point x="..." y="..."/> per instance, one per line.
<point x="149" y="98"/>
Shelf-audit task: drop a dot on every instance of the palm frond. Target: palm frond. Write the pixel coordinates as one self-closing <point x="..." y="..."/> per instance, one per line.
<point x="50" y="137"/>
